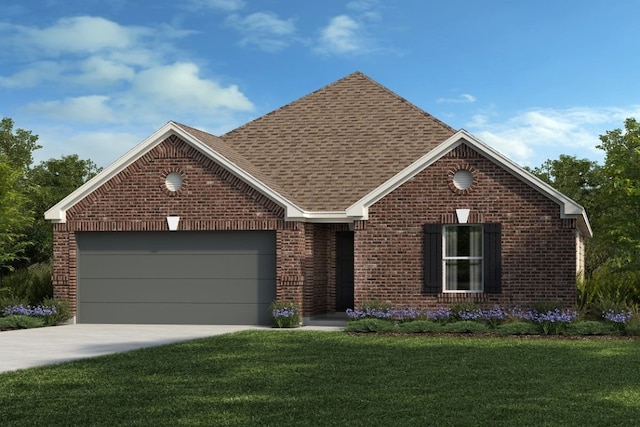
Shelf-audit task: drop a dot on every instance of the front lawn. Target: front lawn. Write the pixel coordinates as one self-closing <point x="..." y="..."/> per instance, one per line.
<point x="305" y="378"/>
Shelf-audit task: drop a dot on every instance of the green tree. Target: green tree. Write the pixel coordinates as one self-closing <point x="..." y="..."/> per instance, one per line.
<point x="18" y="146"/>
<point x="14" y="216"/>
<point x="50" y="182"/>
<point x="619" y="198"/>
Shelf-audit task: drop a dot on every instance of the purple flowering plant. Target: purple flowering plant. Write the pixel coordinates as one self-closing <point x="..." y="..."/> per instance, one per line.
<point x="36" y="311"/>
<point x="619" y="318"/>
<point x="550" y="321"/>
<point x="284" y="314"/>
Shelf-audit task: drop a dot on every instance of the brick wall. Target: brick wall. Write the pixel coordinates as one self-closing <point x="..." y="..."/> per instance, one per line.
<point x="211" y="199"/>
<point x="538" y="247"/>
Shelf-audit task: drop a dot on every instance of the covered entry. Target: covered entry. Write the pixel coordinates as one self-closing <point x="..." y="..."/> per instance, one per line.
<point x="184" y="277"/>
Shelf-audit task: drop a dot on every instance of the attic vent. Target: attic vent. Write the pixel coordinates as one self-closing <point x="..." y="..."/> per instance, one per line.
<point x="463" y="179"/>
<point x="173" y="181"/>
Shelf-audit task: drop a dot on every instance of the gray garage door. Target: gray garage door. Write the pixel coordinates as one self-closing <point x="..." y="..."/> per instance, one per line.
<point x="181" y="277"/>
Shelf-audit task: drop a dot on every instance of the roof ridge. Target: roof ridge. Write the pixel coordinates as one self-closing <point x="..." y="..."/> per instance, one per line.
<point x="402" y="99"/>
<point x="356" y="73"/>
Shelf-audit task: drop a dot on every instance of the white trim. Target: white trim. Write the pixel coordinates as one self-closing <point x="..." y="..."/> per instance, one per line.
<point x="568" y="208"/>
<point x="57" y="213"/>
<point x="356" y="212"/>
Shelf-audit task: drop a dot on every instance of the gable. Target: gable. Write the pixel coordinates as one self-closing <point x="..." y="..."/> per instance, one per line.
<point x="568" y="208"/>
<point x="139" y="193"/>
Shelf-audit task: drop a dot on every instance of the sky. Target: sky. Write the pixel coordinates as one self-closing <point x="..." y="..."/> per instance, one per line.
<point x="533" y="79"/>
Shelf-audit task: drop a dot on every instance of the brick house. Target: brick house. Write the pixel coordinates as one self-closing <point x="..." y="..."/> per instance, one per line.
<point x="346" y="195"/>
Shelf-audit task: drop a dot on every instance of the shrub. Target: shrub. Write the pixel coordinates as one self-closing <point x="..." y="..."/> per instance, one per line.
<point x="633" y="327"/>
<point x="590" y="327"/>
<point x="284" y="314"/>
<point x="29" y="285"/>
<point x="420" y="326"/>
<point x="465" y="327"/>
<point x="518" y="328"/>
<point x="63" y="310"/>
<point x="19" y="321"/>
<point x="370" y="325"/>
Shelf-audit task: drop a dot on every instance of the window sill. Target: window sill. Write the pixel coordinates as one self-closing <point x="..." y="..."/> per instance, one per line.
<point x="454" y="297"/>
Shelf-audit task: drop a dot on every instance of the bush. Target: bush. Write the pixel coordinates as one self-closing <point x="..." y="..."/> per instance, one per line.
<point x="420" y="326"/>
<point x="30" y="285"/>
<point x="633" y="327"/>
<point x="63" y="310"/>
<point x="284" y="314"/>
<point x="590" y="327"/>
<point x="465" y="327"/>
<point x="518" y="328"/>
<point x="19" y="321"/>
<point x="370" y="325"/>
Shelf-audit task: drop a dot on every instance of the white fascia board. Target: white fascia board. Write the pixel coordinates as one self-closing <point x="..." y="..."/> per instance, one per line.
<point x="324" y="217"/>
<point x="568" y="208"/>
<point x="361" y="207"/>
<point x="57" y="213"/>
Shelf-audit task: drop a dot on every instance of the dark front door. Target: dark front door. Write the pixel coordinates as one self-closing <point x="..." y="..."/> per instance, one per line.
<point x="344" y="270"/>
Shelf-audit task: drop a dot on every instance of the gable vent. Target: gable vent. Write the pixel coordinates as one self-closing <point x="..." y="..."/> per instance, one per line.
<point x="173" y="181"/>
<point x="463" y="179"/>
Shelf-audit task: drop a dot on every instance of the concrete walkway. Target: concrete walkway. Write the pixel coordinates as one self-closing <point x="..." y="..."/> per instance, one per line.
<point x="28" y="348"/>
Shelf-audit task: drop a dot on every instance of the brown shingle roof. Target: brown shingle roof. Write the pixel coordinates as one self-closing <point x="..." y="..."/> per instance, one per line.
<point x="328" y="149"/>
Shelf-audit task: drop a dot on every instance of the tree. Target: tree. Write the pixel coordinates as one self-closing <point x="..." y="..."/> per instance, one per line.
<point x="579" y="179"/>
<point x="50" y="182"/>
<point x="17" y="146"/>
<point x="14" y="216"/>
<point x="620" y="194"/>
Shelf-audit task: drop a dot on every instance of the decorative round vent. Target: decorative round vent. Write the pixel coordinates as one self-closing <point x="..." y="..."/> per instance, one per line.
<point x="463" y="179"/>
<point x="173" y="181"/>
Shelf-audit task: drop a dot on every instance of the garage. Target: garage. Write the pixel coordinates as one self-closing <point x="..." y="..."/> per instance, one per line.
<point x="183" y="277"/>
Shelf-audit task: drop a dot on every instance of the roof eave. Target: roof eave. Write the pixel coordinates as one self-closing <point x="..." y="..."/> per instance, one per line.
<point x="568" y="207"/>
<point x="57" y="213"/>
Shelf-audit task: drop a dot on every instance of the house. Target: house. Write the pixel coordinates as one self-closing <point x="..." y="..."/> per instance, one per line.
<point x="347" y="195"/>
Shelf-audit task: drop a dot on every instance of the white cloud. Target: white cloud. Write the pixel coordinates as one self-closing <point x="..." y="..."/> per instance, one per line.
<point x="80" y="34"/>
<point x="343" y="35"/>
<point x="264" y="30"/>
<point x="464" y="98"/>
<point x="100" y="70"/>
<point x="179" y="86"/>
<point x="533" y="136"/>
<point x="37" y="73"/>
<point x="92" y="109"/>
<point x="351" y="34"/>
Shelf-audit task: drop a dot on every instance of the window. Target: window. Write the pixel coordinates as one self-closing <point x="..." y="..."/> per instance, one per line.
<point x="463" y="258"/>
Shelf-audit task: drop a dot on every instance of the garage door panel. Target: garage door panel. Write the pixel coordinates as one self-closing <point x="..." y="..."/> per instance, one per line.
<point x="208" y="277"/>
<point x="181" y="314"/>
<point x="162" y="242"/>
<point x="147" y="266"/>
<point x="200" y="291"/>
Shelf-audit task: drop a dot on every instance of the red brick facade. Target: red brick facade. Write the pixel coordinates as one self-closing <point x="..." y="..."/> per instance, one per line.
<point x="538" y="247"/>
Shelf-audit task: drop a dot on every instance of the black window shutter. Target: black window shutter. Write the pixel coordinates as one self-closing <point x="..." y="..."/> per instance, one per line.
<point x="492" y="258"/>
<point x="433" y="258"/>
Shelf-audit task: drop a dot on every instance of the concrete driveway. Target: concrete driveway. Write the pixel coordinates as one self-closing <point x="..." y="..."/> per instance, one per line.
<point x="27" y="348"/>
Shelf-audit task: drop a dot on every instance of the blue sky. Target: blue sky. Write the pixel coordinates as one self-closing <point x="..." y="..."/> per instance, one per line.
<point x="534" y="79"/>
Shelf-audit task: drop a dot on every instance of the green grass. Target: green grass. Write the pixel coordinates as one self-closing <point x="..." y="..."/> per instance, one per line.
<point x="304" y="378"/>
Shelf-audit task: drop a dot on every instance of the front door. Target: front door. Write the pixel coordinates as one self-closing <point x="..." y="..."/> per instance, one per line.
<point x="344" y="270"/>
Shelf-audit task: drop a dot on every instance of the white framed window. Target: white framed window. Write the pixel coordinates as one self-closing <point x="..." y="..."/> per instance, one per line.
<point x="463" y="259"/>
